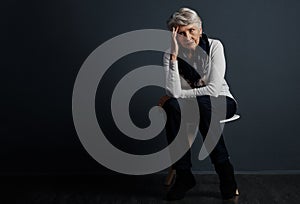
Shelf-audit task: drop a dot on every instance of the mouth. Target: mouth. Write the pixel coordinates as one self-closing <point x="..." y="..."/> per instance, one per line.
<point x="189" y="43"/>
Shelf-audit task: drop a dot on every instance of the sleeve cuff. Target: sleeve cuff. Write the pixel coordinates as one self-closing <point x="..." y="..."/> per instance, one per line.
<point x="187" y="93"/>
<point x="173" y="64"/>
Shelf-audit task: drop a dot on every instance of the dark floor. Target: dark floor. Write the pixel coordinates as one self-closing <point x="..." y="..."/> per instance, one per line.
<point x="148" y="189"/>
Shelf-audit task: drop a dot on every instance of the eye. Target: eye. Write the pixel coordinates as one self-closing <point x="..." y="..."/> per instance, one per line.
<point x="192" y="30"/>
<point x="181" y="33"/>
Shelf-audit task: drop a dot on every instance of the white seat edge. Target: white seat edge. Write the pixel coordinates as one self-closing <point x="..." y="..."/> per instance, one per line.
<point x="234" y="117"/>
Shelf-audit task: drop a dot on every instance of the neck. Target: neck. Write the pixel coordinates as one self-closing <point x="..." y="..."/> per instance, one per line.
<point x="189" y="52"/>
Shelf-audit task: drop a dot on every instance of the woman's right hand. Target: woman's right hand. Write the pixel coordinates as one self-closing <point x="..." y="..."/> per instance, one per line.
<point x="174" y="44"/>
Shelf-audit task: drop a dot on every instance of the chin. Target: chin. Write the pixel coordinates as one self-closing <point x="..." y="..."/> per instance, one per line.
<point x="191" y="47"/>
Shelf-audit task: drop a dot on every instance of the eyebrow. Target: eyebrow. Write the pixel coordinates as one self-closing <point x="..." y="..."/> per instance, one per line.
<point x="187" y="28"/>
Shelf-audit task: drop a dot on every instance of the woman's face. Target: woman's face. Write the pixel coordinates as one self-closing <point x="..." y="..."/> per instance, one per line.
<point x="189" y="36"/>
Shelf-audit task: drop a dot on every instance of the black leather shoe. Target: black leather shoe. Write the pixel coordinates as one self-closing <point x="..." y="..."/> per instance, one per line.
<point x="234" y="200"/>
<point x="183" y="183"/>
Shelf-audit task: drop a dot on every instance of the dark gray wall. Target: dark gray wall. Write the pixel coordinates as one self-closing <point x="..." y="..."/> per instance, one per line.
<point x="44" y="43"/>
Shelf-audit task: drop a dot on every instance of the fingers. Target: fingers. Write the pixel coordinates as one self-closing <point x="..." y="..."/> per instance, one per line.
<point x="174" y="33"/>
<point x="175" y="30"/>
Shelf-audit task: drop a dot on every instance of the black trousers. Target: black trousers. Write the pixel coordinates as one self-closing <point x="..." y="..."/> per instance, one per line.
<point x="206" y="105"/>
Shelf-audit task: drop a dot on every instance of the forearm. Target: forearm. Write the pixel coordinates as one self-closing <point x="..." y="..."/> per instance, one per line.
<point x="173" y="84"/>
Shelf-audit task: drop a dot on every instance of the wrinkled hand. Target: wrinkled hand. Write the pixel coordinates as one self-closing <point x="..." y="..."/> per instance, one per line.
<point x="174" y="44"/>
<point x="201" y="82"/>
<point x="163" y="99"/>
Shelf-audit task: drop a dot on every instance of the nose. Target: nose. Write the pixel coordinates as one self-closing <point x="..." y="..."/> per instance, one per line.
<point x="188" y="36"/>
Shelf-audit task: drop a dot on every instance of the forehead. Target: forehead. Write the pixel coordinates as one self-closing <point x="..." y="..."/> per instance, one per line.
<point x="187" y="27"/>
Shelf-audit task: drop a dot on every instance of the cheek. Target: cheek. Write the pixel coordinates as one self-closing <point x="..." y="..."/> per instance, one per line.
<point x="181" y="40"/>
<point x="197" y="37"/>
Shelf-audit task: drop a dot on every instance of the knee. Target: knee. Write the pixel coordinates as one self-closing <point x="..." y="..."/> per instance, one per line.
<point x="171" y="105"/>
<point x="204" y="104"/>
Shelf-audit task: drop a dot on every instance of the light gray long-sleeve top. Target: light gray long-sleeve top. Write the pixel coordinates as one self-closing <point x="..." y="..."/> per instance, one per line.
<point x="211" y="68"/>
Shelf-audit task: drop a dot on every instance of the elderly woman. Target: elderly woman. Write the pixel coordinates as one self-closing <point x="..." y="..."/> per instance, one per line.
<point x="188" y="78"/>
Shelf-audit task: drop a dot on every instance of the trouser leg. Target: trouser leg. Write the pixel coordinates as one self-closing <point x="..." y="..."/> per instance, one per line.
<point x="212" y="105"/>
<point x="219" y="156"/>
<point x="172" y="110"/>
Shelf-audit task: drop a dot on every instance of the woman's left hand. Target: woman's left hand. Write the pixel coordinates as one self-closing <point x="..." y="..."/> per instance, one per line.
<point x="162" y="100"/>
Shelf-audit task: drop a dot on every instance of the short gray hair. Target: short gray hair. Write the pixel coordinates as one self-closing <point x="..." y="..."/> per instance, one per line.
<point x="183" y="17"/>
